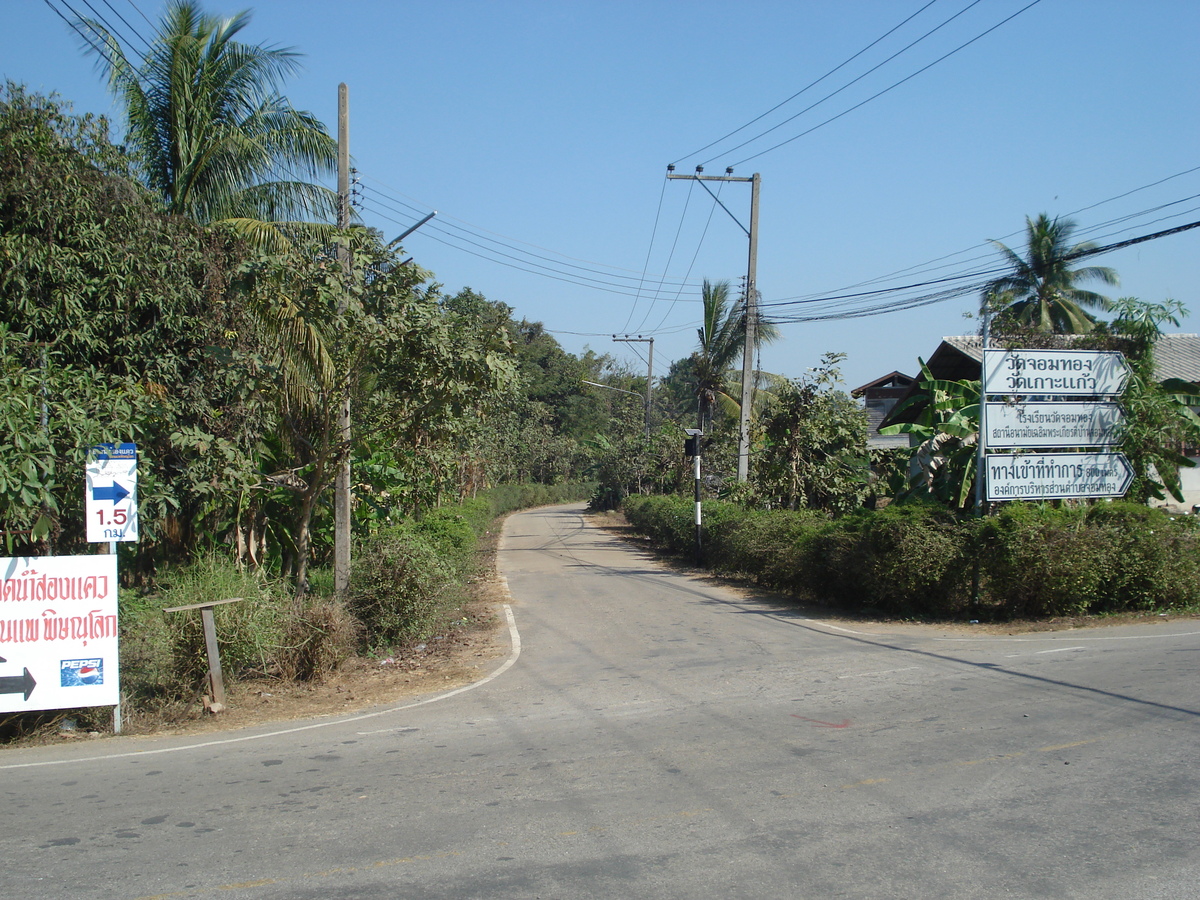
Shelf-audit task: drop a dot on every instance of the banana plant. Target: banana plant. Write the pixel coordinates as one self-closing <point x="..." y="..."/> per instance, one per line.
<point x="942" y="463"/>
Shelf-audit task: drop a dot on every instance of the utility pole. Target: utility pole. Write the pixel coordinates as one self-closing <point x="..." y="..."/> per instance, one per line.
<point x="649" y="372"/>
<point x="755" y="181"/>
<point x="341" y="498"/>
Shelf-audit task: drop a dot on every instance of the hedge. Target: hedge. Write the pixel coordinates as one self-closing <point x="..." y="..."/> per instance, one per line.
<point x="919" y="560"/>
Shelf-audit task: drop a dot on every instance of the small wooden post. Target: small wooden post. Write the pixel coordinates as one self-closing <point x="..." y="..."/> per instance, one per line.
<point x="215" y="682"/>
<point x="214" y="655"/>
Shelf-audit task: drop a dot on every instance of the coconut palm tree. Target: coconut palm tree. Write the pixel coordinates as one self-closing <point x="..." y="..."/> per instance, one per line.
<point x="722" y="340"/>
<point x="204" y="119"/>
<point x="1041" y="291"/>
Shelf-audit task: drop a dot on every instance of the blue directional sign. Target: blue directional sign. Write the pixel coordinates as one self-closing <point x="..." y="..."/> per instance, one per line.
<point x="111" y="497"/>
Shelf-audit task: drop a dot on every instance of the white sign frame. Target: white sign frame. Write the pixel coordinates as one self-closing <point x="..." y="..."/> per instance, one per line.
<point x="1055" y="373"/>
<point x="1046" y="425"/>
<point x="110" y="499"/>
<point x="1057" y="476"/>
<point x="58" y="632"/>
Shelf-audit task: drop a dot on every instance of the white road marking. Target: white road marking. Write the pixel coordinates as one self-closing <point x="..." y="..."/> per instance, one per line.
<point x="1040" y="652"/>
<point x="514" y="635"/>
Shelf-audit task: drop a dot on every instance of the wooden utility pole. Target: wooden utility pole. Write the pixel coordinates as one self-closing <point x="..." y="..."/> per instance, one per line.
<point x="341" y="499"/>
<point x="755" y="181"/>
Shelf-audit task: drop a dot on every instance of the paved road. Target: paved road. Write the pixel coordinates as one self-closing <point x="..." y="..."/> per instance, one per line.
<point x="651" y="735"/>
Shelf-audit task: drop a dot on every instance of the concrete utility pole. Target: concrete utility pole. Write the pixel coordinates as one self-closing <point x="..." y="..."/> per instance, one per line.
<point x="341" y="498"/>
<point x="649" y="371"/>
<point x="755" y="181"/>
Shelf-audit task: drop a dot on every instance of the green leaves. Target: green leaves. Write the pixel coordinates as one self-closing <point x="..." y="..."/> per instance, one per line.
<point x="942" y="464"/>
<point x="1042" y="291"/>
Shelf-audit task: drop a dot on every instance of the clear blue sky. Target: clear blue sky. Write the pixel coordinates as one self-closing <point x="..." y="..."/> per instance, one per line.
<point x="541" y="132"/>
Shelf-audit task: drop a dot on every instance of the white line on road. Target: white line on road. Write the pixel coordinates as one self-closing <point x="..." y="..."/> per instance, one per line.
<point x="514" y="635"/>
<point x="1040" y="652"/>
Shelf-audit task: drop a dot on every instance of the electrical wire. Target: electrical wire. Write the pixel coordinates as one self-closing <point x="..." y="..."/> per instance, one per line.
<point x="699" y="244"/>
<point x="467" y="237"/>
<point x="140" y="13"/>
<point x="649" y="250"/>
<point x="808" y="86"/>
<point x="837" y="308"/>
<point x="594" y="284"/>
<point x="80" y="32"/>
<point x="853" y="82"/>
<point x="891" y="87"/>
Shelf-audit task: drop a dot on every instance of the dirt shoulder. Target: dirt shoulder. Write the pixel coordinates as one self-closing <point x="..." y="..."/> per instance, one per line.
<point x="459" y="655"/>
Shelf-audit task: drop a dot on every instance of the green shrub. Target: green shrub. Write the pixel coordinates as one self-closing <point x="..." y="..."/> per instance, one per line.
<point x="1030" y="560"/>
<point x="397" y="583"/>
<point x="1156" y="556"/>
<point x="248" y="632"/>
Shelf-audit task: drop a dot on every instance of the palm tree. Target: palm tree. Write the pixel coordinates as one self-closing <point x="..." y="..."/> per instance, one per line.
<point x="722" y="340"/>
<point x="214" y="138"/>
<point x="1041" y="291"/>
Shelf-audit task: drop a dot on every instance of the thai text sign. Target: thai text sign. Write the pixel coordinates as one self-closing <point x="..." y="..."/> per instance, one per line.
<point x="111" y="494"/>
<point x="1073" y="373"/>
<point x="1049" y="476"/>
<point x="1044" y="425"/>
<point x="58" y="632"/>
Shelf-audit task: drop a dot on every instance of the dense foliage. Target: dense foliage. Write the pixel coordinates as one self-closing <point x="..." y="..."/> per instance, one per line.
<point x="919" y="559"/>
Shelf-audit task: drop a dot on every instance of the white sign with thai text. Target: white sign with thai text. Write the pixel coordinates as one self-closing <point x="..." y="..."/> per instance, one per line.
<point x="58" y="632"/>
<point x="1069" y="373"/>
<point x="1051" y="476"/>
<point x="1045" y="425"/>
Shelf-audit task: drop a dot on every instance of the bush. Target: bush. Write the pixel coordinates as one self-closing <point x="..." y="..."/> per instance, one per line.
<point x="398" y="579"/>
<point x="1030" y="560"/>
<point x="318" y="638"/>
<point x="248" y="633"/>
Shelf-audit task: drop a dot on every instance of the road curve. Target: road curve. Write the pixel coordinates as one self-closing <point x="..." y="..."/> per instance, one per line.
<point x="661" y="737"/>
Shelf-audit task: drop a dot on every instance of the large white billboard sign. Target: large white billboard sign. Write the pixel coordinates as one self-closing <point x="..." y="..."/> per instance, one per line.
<point x="58" y="632"/>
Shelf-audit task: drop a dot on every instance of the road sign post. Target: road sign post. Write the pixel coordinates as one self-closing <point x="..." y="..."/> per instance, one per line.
<point x="1059" y="419"/>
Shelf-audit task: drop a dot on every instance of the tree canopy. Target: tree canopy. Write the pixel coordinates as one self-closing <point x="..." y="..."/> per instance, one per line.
<point x="1042" y="290"/>
<point x="209" y="130"/>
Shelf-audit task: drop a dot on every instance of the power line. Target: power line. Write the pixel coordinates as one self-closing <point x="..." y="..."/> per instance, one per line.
<point x="811" y="84"/>
<point x="968" y="287"/>
<point x="649" y="250"/>
<point x="891" y="87"/>
<point x="470" y="227"/>
<point x="595" y="284"/>
<point x="149" y="46"/>
<point x="855" y="81"/>
<point x="77" y="30"/>
<point x="610" y="279"/>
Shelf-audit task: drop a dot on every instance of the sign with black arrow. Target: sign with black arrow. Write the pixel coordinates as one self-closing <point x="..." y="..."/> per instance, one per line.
<point x="17" y="684"/>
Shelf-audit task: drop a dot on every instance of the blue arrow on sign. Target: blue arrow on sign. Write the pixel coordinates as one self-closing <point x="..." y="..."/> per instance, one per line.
<point x="114" y="493"/>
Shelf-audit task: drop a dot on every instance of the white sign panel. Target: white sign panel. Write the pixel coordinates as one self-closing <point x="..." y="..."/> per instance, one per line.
<point x="1045" y="425"/>
<point x="111" y="501"/>
<point x="58" y="632"/>
<point x="1050" y="476"/>
<point x="1072" y="373"/>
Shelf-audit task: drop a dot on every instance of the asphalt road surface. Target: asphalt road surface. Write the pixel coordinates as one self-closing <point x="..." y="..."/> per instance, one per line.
<point x="650" y="735"/>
